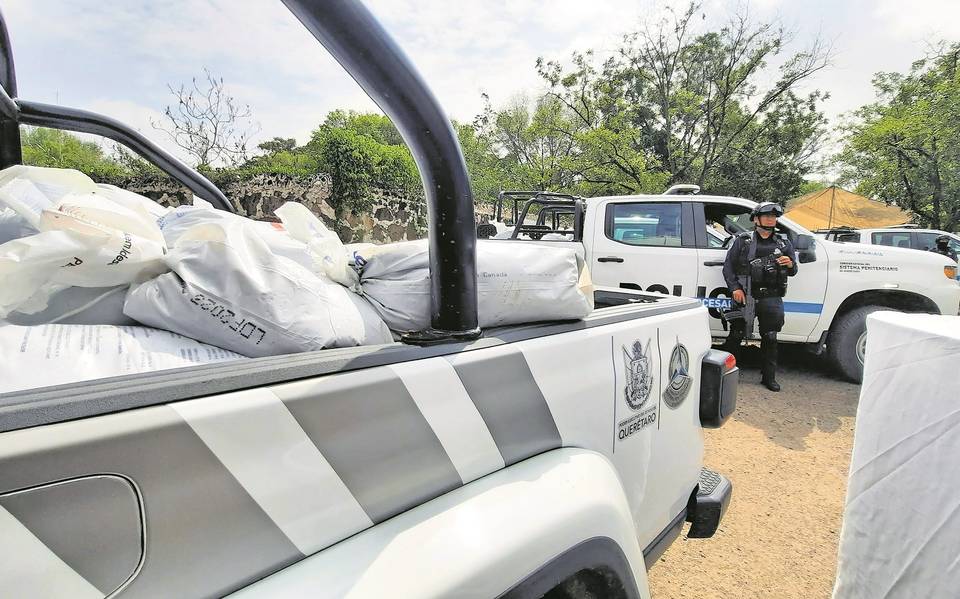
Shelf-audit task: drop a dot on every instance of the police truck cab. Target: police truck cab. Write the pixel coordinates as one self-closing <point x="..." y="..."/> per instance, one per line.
<point x="675" y="243"/>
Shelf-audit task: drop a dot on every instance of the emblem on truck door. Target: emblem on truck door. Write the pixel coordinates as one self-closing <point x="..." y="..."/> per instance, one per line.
<point x="680" y="379"/>
<point x="639" y="379"/>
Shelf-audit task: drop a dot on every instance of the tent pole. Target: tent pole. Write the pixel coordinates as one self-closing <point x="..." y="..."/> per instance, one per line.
<point x="833" y="199"/>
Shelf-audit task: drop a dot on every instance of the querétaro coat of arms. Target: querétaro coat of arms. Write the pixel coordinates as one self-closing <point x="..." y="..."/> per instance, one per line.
<point x="639" y="379"/>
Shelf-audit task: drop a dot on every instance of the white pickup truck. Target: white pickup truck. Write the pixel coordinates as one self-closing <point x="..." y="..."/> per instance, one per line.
<point x="555" y="459"/>
<point x="676" y="243"/>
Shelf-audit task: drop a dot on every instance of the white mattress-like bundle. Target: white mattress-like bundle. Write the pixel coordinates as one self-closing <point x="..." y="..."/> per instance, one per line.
<point x="517" y="282"/>
<point x="901" y="522"/>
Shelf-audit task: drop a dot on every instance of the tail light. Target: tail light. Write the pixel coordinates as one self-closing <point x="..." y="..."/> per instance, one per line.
<point x="720" y="379"/>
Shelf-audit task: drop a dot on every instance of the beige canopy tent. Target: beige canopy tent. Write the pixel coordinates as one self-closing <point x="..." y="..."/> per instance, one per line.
<point x="836" y="207"/>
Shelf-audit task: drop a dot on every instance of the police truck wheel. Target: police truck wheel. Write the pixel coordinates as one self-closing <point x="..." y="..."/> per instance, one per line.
<point x="848" y="341"/>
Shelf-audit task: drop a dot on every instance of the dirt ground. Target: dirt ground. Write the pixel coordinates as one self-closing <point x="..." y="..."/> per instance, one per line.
<point x="787" y="455"/>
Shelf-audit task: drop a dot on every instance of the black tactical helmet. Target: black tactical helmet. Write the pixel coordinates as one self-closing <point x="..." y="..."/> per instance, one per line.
<point x="767" y="208"/>
<point x="943" y="239"/>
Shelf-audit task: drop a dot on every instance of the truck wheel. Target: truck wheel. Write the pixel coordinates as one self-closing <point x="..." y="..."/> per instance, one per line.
<point x="848" y="342"/>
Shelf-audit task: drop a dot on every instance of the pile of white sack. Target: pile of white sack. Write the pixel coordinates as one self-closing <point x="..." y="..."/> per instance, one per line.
<point x="74" y="253"/>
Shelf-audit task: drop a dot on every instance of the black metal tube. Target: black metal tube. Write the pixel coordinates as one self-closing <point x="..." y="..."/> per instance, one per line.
<point x="10" y="151"/>
<point x="8" y="108"/>
<point x="82" y="121"/>
<point x="354" y="37"/>
<point x="8" y="74"/>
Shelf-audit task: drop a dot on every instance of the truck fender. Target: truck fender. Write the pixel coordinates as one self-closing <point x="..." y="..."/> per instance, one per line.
<point x="515" y="529"/>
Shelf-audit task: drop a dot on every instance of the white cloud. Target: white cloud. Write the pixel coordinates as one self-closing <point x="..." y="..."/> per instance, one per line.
<point x="919" y="20"/>
<point x="117" y="57"/>
<point x="140" y="118"/>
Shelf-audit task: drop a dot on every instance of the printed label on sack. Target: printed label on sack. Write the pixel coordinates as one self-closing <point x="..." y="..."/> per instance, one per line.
<point x="228" y="318"/>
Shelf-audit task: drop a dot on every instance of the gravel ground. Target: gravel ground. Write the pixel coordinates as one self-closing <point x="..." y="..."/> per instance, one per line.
<point x="787" y="455"/>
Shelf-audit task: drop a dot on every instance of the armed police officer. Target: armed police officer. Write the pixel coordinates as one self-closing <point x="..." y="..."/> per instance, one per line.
<point x="943" y="247"/>
<point x="756" y="270"/>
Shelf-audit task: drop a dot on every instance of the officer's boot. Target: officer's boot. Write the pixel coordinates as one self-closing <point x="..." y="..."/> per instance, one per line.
<point x="768" y="357"/>
<point x="734" y="340"/>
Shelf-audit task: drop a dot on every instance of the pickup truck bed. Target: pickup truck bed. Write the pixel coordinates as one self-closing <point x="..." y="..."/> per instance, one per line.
<point x="220" y="475"/>
<point x="91" y="398"/>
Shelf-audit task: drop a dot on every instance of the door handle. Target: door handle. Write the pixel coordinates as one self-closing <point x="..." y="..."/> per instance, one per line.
<point x="610" y="259"/>
<point x="713" y="263"/>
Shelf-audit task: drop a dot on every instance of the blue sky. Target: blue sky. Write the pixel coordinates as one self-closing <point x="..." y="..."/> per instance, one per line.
<point x="117" y="56"/>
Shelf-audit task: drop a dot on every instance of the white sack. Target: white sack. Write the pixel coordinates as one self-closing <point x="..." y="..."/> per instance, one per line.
<point x="86" y="239"/>
<point x="56" y="354"/>
<point x="179" y="220"/>
<point x="329" y="256"/>
<point x="29" y="190"/>
<point x="26" y="191"/>
<point x="901" y="521"/>
<point x="78" y="305"/>
<point x="229" y="289"/>
<point x="14" y="226"/>
<point x="516" y="283"/>
<point x="132" y="200"/>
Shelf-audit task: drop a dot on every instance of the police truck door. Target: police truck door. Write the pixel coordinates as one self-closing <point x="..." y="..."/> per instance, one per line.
<point x="716" y="222"/>
<point x="648" y="246"/>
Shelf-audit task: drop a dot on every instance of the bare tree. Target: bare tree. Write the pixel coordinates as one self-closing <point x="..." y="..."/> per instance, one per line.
<point x="208" y="123"/>
<point x="705" y="88"/>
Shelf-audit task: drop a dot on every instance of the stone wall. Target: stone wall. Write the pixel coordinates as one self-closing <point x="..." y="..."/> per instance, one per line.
<point x="390" y="219"/>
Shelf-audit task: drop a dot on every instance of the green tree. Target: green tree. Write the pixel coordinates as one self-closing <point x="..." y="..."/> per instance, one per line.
<point x="281" y="156"/>
<point x="375" y="126"/>
<point x="905" y="147"/>
<point x="59" y="149"/>
<point x="278" y="144"/>
<point x="348" y="158"/>
<point x="672" y="105"/>
<point x="810" y="186"/>
<point x="771" y="159"/>
<point x="353" y="148"/>
<point x="487" y="170"/>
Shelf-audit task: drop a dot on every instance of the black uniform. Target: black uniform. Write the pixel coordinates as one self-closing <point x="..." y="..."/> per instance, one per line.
<point x="767" y="285"/>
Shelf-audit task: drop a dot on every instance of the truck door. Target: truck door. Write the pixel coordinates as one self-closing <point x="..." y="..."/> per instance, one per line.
<point x="645" y="245"/>
<point x="717" y="222"/>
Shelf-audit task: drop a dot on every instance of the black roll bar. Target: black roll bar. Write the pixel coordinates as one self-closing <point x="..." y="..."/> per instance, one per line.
<point x="522" y="195"/>
<point x="10" y="151"/>
<point x="552" y="202"/>
<point x="83" y="121"/>
<point x="556" y="213"/>
<point x="516" y="196"/>
<point x="354" y="37"/>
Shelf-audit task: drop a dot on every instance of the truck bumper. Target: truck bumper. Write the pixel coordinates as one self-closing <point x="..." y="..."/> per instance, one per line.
<point x="704" y="511"/>
<point x="709" y="504"/>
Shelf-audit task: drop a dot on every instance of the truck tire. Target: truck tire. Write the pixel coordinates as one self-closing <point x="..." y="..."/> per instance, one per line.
<point x="848" y="342"/>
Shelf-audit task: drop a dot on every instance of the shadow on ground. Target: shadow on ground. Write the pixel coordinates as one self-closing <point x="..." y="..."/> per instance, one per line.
<point x="813" y="397"/>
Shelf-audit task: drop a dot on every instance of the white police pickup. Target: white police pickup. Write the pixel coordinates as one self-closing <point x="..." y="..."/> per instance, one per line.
<point x="675" y="243"/>
<point x="552" y="459"/>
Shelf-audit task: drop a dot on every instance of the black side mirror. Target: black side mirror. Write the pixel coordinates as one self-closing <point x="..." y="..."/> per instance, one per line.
<point x="804" y="242"/>
<point x="806" y="247"/>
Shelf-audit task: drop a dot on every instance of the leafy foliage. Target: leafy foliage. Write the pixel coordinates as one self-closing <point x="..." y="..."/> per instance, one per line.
<point x="669" y="105"/>
<point x="356" y="151"/>
<point x="905" y="147"/>
<point x="59" y="149"/>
